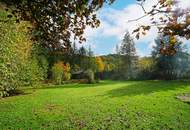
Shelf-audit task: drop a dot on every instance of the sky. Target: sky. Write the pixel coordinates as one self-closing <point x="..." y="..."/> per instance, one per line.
<point x="114" y="23"/>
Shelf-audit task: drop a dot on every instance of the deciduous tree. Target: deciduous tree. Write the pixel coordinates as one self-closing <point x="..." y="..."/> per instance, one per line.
<point x="56" y="21"/>
<point x="100" y="64"/>
<point x="169" y="20"/>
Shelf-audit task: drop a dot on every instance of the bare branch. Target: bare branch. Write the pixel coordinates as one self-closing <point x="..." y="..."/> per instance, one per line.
<point x="141" y="5"/>
<point x="133" y="20"/>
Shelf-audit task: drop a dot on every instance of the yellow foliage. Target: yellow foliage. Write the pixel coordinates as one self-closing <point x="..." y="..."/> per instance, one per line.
<point x="24" y="45"/>
<point x="100" y="64"/>
<point x="145" y="63"/>
<point x="173" y="40"/>
<point x="61" y="71"/>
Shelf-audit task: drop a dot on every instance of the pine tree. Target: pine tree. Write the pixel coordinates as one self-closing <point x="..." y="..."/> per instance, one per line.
<point x="129" y="57"/>
<point x="91" y="60"/>
<point x="90" y="52"/>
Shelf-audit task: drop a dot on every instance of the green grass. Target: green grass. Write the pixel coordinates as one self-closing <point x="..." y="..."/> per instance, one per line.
<point x="108" y="105"/>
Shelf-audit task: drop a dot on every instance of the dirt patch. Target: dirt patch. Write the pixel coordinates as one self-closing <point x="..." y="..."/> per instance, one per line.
<point x="52" y="108"/>
<point x="185" y="97"/>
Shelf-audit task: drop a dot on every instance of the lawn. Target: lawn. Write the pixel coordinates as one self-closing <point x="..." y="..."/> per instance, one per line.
<point x="110" y="105"/>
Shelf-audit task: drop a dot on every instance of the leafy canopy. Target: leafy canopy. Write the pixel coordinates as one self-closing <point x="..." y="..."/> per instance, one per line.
<point x="168" y="18"/>
<point x="57" y="21"/>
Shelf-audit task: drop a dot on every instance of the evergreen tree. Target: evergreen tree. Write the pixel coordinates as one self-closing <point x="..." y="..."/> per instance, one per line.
<point x="129" y="57"/>
<point x="91" y="60"/>
<point x="90" y="52"/>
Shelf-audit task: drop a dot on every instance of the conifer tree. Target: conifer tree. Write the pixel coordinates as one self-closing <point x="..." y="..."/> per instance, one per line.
<point x="129" y="57"/>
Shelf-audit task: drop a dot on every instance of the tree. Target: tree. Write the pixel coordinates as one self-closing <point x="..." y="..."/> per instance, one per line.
<point x="91" y="60"/>
<point x="100" y="67"/>
<point x="58" y="72"/>
<point x="129" y="57"/>
<point x="170" y="66"/>
<point x="169" y="20"/>
<point x="146" y="67"/>
<point x="20" y="61"/>
<point x="55" y="21"/>
<point x="82" y="58"/>
<point x="67" y="73"/>
<point x="100" y="64"/>
<point x="61" y="72"/>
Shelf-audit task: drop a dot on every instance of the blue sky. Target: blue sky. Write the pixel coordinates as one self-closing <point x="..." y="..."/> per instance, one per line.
<point x="114" y="25"/>
<point x="120" y="4"/>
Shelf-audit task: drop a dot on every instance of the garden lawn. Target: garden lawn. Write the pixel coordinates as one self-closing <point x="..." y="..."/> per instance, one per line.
<point x="110" y="105"/>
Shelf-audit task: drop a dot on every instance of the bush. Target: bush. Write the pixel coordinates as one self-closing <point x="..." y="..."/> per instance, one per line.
<point x="89" y="74"/>
<point x="32" y="73"/>
<point x="57" y="72"/>
<point x="66" y="74"/>
<point x="61" y="72"/>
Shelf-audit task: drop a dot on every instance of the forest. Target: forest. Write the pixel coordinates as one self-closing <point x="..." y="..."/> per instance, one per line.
<point x="49" y="78"/>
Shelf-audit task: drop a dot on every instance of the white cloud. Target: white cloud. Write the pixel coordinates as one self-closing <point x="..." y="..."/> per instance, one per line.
<point x="114" y="23"/>
<point x="184" y="4"/>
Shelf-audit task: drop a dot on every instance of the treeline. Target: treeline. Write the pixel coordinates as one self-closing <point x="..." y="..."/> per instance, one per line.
<point x="126" y="65"/>
<point x="80" y="63"/>
<point x="24" y="62"/>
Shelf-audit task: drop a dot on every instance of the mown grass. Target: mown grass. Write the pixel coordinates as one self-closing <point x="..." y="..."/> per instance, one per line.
<point x="108" y="105"/>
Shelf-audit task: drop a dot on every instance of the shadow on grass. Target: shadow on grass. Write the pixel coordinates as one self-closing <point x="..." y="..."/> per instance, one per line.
<point x="75" y="85"/>
<point x="146" y="87"/>
<point x="17" y="92"/>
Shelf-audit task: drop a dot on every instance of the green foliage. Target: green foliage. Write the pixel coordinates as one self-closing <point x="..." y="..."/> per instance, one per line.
<point x="128" y="63"/>
<point x="57" y="72"/>
<point x="79" y="59"/>
<point x="32" y="73"/>
<point x="146" y="67"/>
<point x="67" y="74"/>
<point x="76" y="68"/>
<point x="85" y="59"/>
<point x="61" y="72"/>
<point x="19" y="62"/>
<point x="40" y="54"/>
<point x="9" y="59"/>
<point x="71" y="18"/>
<point x="170" y="67"/>
<point x="89" y="74"/>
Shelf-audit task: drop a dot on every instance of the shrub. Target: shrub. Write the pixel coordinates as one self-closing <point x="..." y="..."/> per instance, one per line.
<point x="40" y="54"/>
<point x="67" y="74"/>
<point x="32" y="73"/>
<point x="61" y="72"/>
<point x="89" y="74"/>
<point x="57" y="72"/>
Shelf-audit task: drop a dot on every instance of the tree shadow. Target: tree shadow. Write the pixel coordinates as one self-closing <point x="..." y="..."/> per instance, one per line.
<point x="146" y="87"/>
<point x="77" y="85"/>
